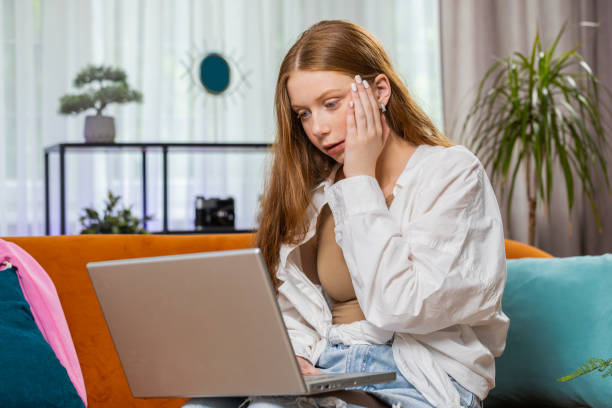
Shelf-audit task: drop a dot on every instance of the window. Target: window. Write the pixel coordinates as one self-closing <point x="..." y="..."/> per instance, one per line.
<point x="157" y="42"/>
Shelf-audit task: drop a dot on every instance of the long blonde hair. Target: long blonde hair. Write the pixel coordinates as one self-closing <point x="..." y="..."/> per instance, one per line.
<point x="298" y="166"/>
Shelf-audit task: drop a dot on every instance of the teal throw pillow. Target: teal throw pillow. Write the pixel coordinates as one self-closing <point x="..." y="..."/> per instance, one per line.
<point x="30" y="373"/>
<point x="560" y="313"/>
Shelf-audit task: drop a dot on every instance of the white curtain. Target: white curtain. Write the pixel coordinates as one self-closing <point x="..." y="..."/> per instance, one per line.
<point x="157" y="42"/>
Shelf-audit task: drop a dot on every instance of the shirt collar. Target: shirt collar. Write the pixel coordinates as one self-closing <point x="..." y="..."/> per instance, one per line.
<point x="412" y="161"/>
<point x="329" y="180"/>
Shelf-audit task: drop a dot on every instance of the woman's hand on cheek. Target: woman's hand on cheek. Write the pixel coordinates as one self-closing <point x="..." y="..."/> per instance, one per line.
<point x="366" y="132"/>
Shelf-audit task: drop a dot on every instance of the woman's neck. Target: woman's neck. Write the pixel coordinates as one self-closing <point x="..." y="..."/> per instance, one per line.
<point x="392" y="161"/>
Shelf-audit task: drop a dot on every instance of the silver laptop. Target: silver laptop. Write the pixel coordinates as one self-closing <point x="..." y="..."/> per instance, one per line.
<point x="205" y="324"/>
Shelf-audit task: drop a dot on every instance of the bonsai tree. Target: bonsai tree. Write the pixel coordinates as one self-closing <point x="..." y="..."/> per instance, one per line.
<point x="101" y="86"/>
<point x="535" y="112"/>
<point x="113" y="221"/>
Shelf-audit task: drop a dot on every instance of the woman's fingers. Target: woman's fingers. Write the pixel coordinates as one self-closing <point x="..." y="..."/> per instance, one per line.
<point x="311" y="370"/>
<point x="306" y="367"/>
<point x="373" y="108"/>
<point x="351" y="125"/>
<point x="367" y="110"/>
<point x="362" y="91"/>
<point x="360" y="116"/>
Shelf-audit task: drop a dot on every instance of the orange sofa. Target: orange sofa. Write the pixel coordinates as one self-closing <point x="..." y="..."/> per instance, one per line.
<point x="64" y="258"/>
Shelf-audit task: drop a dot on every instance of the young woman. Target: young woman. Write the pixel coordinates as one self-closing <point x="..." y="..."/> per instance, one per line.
<point x="384" y="239"/>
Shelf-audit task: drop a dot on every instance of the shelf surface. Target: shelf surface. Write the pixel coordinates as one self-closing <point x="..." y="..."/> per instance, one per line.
<point x="156" y="146"/>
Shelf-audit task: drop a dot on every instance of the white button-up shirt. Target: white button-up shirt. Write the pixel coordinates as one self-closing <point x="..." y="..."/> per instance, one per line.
<point x="428" y="272"/>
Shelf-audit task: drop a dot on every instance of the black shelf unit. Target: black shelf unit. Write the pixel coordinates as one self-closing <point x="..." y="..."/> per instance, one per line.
<point x="165" y="148"/>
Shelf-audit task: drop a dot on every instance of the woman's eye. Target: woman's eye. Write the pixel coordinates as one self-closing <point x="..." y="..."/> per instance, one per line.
<point x="304" y="114"/>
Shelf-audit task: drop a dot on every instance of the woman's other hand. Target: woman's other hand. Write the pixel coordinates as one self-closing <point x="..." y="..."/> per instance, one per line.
<point x="306" y="367"/>
<point x="366" y="131"/>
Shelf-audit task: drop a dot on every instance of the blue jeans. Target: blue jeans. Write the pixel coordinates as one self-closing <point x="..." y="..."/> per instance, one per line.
<point x="342" y="359"/>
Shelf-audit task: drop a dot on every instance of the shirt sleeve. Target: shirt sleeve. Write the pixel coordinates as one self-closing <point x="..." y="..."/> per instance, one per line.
<point x="302" y="336"/>
<point x="441" y="264"/>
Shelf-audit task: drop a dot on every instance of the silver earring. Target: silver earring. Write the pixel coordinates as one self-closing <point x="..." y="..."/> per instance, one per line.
<point x="383" y="108"/>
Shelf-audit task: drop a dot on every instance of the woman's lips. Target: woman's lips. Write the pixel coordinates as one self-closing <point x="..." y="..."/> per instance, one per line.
<point x="337" y="148"/>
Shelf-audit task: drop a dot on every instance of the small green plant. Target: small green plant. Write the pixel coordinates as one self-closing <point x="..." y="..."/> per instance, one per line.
<point x="536" y="112"/>
<point x="113" y="221"/>
<point x="591" y="365"/>
<point x="102" y="85"/>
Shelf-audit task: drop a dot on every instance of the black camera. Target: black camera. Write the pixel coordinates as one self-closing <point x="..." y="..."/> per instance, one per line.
<point x="214" y="212"/>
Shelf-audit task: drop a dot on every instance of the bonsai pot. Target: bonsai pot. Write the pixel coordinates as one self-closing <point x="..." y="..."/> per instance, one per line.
<point x="99" y="129"/>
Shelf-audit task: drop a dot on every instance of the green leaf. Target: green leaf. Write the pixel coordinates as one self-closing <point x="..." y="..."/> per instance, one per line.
<point x="98" y="73"/>
<point x="76" y="103"/>
<point x="551" y="50"/>
<point x="591" y="365"/>
<point x="557" y="135"/>
<point x="92" y="214"/>
<point x="586" y="67"/>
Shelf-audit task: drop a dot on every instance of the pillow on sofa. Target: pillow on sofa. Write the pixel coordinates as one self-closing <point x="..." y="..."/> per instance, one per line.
<point x="40" y="294"/>
<point x="31" y="374"/>
<point x="560" y="313"/>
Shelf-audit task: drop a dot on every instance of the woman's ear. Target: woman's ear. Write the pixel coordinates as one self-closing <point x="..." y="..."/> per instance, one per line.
<point x="382" y="88"/>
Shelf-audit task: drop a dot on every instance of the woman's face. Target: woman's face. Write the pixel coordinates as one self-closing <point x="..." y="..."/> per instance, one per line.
<point x="320" y="100"/>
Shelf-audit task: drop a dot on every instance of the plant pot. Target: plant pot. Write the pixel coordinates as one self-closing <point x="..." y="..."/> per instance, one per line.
<point x="99" y="129"/>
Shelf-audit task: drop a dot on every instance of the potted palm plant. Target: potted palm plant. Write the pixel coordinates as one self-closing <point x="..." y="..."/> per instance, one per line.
<point x="537" y="112"/>
<point x="102" y="86"/>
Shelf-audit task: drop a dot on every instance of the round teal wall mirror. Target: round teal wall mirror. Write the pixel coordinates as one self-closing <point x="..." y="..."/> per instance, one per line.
<point x="214" y="73"/>
<point x="218" y="73"/>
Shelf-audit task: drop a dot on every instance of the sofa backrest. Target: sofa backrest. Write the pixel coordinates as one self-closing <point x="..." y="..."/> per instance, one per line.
<point x="515" y="249"/>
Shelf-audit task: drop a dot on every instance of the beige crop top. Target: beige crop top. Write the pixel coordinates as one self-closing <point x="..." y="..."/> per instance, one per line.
<point x="323" y="262"/>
